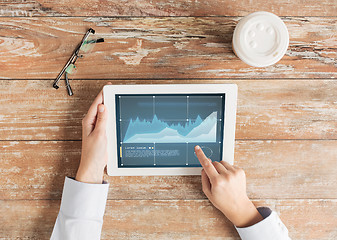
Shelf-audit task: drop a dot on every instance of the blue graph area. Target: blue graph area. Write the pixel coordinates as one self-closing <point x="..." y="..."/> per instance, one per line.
<point x="161" y="130"/>
<point x="158" y="131"/>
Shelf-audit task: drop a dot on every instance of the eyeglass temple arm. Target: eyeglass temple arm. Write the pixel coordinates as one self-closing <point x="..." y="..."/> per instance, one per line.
<point x="63" y="70"/>
<point x="73" y="57"/>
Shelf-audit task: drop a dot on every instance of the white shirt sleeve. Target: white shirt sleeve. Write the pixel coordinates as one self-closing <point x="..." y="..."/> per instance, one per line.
<point x="81" y="212"/>
<point x="270" y="228"/>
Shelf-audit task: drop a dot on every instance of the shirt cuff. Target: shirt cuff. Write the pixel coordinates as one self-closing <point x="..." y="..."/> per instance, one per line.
<point x="271" y="227"/>
<point x="84" y="200"/>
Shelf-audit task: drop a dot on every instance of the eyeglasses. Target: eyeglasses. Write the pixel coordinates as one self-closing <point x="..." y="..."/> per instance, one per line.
<point x="70" y="68"/>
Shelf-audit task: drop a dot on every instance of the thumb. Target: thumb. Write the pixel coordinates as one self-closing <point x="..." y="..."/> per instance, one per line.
<point x="102" y="117"/>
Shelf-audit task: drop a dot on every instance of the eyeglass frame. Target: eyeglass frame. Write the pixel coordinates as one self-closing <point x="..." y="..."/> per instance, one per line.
<point x="72" y="60"/>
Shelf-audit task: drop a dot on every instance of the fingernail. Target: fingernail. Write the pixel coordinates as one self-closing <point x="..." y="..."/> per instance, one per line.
<point x="101" y="108"/>
<point x="197" y="147"/>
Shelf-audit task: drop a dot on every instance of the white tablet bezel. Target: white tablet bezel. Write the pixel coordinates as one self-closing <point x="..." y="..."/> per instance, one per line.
<point x="109" y="92"/>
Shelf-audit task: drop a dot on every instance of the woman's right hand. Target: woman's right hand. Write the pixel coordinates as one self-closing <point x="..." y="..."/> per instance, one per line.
<point x="225" y="186"/>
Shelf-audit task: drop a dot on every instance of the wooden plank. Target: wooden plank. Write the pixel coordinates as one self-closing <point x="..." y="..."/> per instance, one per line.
<point x="161" y="219"/>
<point x="38" y="48"/>
<point x="165" y="8"/>
<point x="267" y="109"/>
<point x="274" y="169"/>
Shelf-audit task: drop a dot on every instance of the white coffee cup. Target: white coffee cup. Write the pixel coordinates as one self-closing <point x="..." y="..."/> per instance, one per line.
<point x="260" y="39"/>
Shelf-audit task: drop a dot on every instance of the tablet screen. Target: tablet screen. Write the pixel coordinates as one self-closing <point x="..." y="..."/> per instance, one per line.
<point x="161" y="130"/>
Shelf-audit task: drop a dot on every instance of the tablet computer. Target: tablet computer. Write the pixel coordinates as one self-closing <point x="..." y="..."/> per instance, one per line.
<point x="153" y="129"/>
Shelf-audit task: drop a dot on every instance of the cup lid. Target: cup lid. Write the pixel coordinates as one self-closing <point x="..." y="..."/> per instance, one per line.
<point x="260" y="39"/>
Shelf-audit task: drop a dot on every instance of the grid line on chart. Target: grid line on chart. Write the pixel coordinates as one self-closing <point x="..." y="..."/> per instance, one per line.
<point x="187" y="97"/>
<point x="168" y="120"/>
<point x="154" y="154"/>
<point x="182" y="96"/>
<point x="120" y="128"/>
<point x="154" y="104"/>
<point x="186" y="153"/>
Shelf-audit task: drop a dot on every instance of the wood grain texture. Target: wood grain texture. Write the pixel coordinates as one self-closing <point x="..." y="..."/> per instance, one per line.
<point x="165" y="8"/>
<point x="286" y="122"/>
<point x="182" y="47"/>
<point x="274" y="169"/>
<point x="161" y="219"/>
<point x="267" y="109"/>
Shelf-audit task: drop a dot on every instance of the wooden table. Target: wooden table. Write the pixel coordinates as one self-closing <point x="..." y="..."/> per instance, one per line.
<point x="286" y="138"/>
